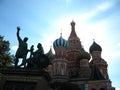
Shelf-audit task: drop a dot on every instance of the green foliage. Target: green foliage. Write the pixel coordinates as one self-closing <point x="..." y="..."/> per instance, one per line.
<point x="5" y="58"/>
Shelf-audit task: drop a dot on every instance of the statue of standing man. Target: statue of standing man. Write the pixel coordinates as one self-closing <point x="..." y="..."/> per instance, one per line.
<point x="22" y="50"/>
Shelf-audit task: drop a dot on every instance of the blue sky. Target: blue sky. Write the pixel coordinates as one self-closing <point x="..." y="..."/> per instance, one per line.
<point x="42" y="21"/>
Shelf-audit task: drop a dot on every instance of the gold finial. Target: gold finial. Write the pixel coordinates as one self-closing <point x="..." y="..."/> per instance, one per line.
<point x="93" y="37"/>
<point x="61" y="33"/>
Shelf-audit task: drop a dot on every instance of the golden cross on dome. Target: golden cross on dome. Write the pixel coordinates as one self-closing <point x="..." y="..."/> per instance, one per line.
<point x="61" y="33"/>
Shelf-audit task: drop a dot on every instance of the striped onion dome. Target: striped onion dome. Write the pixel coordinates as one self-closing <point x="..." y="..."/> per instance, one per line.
<point x="83" y="54"/>
<point x="60" y="42"/>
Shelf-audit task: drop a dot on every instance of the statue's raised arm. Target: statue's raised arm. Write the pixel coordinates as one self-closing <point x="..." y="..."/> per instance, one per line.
<point x="18" y="35"/>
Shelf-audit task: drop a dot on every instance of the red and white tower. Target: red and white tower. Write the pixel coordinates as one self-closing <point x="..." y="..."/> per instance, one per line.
<point x="73" y="52"/>
<point x="60" y="72"/>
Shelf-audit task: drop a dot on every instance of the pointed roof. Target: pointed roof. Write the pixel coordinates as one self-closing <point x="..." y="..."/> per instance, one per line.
<point x="96" y="74"/>
<point x="73" y="33"/>
<point x="50" y="53"/>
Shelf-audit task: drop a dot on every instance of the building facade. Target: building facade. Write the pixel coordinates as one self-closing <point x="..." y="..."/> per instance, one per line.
<point x="72" y="68"/>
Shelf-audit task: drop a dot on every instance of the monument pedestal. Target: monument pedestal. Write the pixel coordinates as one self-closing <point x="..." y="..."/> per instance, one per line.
<point x="23" y="79"/>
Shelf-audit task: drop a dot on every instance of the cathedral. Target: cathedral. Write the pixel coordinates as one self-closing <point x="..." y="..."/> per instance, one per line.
<point x="72" y="68"/>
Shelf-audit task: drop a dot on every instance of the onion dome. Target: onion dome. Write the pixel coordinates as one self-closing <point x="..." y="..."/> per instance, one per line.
<point x="60" y="42"/>
<point x="50" y="53"/>
<point x="84" y="55"/>
<point x="95" y="47"/>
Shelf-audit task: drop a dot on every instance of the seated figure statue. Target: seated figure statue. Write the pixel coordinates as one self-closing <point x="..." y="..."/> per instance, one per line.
<point x="31" y="51"/>
<point x="38" y="59"/>
<point x="38" y="52"/>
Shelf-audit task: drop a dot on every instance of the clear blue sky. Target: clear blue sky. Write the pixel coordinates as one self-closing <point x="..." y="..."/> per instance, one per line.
<point x="42" y="21"/>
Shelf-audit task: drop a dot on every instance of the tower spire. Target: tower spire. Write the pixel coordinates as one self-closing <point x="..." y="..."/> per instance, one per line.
<point x="74" y="41"/>
<point x="73" y="33"/>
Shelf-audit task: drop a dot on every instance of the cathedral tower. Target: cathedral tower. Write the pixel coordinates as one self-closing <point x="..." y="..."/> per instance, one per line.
<point x="84" y="69"/>
<point x="97" y="60"/>
<point x="60" y="62"/>
<point x="73" y="52"/>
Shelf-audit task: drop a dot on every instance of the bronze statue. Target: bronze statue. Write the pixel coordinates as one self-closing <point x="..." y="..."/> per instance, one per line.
<point x="22" y="49"/>
<point x="38" y="52"/>
<point x="38" y="59"/>
<point x="31" y="51"/>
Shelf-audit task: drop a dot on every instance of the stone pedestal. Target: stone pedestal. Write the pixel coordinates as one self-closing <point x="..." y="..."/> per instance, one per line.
<point x="23" y="79"/>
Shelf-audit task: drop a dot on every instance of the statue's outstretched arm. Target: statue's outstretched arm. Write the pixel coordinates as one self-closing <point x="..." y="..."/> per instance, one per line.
<point x="18" y="36"/>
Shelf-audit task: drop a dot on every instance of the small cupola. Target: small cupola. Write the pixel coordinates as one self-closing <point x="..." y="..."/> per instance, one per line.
<point x="84" y="55"/>
<point x="95" y="47"/>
